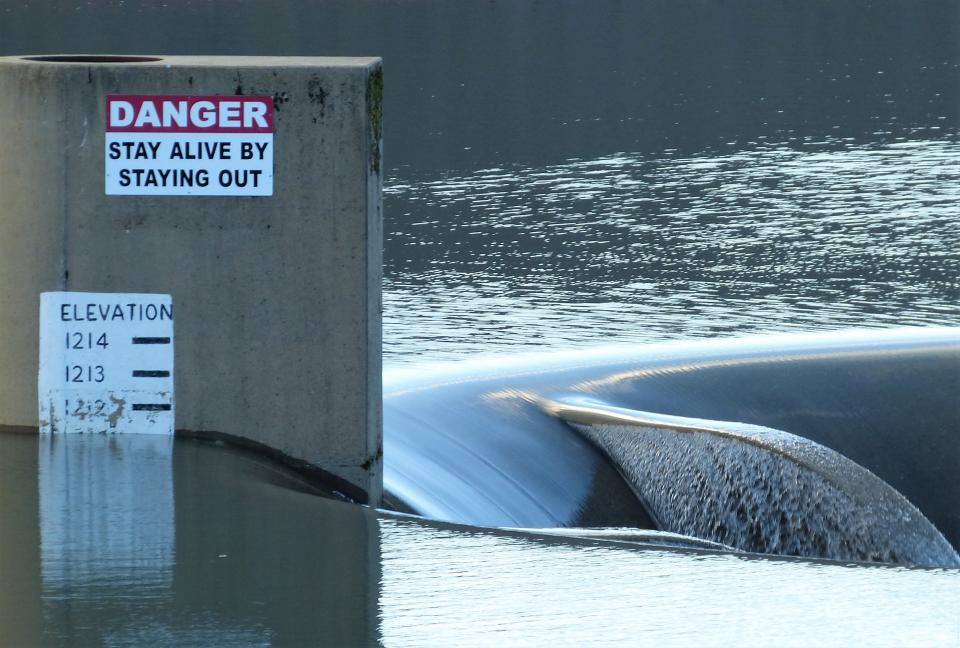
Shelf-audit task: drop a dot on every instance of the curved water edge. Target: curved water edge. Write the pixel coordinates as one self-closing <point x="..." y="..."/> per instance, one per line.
<point x="471" y="442"/>
<point x="758" y="489"/>
<point x="633" y="536"/>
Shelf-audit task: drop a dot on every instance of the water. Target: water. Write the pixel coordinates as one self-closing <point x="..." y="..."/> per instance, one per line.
<point x="194" y="544"/>
<point x="759" y="489"/>
<point x="492" y="442"/>
<point x="497" y="590"/>
<point x="565" y="173"/>
<point x="642" y="248"/>
<point x="557" y="175"/>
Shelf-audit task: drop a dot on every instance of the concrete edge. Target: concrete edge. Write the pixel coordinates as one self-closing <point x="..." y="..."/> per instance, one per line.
<point x="80" y="59"/>
<point x="314" y="475"/>
<point x="373" y="261"/>
<point x="18" y="429"/>
<point x="310" y="472"/>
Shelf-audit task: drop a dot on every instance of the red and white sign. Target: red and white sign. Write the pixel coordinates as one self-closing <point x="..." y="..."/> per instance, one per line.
<point x="177" y="145"/>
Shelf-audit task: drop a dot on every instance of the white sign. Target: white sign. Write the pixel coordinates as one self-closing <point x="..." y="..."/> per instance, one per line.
<point x="172" y="145"/>
<point x="106" y="363"/>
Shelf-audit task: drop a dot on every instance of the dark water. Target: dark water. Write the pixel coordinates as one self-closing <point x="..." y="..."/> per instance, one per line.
<point x="642" y="248"/>
<point x="568" y="172"/>
<point x="136" y="540"/>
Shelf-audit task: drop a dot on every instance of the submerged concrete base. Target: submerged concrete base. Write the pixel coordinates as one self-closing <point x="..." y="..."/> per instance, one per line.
<point x="276" y="298"/>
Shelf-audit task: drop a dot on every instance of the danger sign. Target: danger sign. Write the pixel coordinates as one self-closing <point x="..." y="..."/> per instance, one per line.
<point x="171" y="145"/>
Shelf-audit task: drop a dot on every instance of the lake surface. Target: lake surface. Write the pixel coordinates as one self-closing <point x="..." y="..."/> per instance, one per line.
<point x="643" y="248"/>
<point x="557" y="175"/>
<point x="571" y="172"/>
<point x="139" y="540"/>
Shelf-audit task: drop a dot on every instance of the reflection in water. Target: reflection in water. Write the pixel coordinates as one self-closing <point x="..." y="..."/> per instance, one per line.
<point x="641" y="248"/>
<point x="259" y="558"/>
<point x="259" y="549"/>
<point x="106" y="503"/>
<point x="20" y="622"/>
<point x="147" y="541"/>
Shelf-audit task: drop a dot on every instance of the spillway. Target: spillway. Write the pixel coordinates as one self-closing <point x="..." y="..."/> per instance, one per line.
<point x="484" y="442"/>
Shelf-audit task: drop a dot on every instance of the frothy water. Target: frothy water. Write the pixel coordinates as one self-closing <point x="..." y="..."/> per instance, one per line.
<point x="759" y="489"/>
<point x="811" y="235"/>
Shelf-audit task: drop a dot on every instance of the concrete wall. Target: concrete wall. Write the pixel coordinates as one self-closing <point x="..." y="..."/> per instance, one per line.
<point x="277" y="299"/>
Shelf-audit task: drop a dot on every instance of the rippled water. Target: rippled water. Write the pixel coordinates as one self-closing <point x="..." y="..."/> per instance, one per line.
<point x="640" y="248"/>
<point x="490" y="590"/>
<point x="136" y="541"/>
<point x="573" y="172"/>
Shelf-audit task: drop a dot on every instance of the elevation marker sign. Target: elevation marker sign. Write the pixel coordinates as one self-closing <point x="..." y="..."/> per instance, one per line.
<point x="179" y="145"/>
<point x="106" y="363"/>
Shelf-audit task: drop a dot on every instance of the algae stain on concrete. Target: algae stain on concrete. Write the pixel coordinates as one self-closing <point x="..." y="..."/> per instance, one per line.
<point x="375" y="116"/>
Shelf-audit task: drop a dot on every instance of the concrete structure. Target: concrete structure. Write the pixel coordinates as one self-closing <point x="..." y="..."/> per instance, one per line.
<point x="277" y="298"/>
